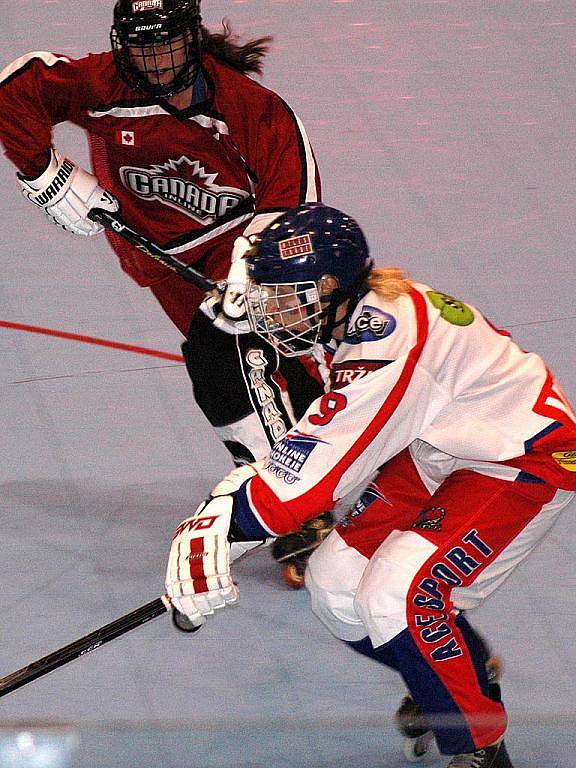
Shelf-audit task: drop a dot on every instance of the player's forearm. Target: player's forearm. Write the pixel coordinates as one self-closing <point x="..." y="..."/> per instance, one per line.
<point x="25" y="135"/>
<point x="34" y="96"/>
<point x="247" y="520"/>
<point x="259" y="512"/>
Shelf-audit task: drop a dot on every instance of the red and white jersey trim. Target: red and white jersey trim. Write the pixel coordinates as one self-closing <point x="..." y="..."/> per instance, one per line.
<point x="154" y="109"/>
<point x="311" y="194"/>
<point x="48" y="58"/>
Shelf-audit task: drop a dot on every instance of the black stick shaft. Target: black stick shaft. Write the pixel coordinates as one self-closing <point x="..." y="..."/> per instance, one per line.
<point x="114" y="223"/>
<point x="82" y="646"/>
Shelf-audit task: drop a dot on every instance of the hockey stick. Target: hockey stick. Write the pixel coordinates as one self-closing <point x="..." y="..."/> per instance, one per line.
<point x="114" y="223"/>
<point x="90" y="642"/>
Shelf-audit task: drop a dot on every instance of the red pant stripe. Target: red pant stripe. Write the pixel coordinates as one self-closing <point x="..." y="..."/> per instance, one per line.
<point x="499" y="514"/>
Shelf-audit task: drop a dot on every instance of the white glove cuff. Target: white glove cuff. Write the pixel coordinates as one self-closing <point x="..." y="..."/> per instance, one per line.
<point x="67" y="193"/>
<point x="234" y="480"/>
<point x="233" y="299"/>
<point x="53" y="183"/>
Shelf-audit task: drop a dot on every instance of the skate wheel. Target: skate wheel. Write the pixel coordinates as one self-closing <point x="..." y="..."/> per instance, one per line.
<point x="416" y="749"/>
<point x="293" y="576"/>
<point x="494" y="669"/>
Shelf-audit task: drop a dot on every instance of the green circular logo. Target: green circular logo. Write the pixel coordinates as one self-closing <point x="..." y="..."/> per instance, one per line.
<point x="453" y="311"/>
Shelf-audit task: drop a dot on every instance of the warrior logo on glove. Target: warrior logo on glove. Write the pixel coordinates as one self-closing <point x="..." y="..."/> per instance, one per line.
<point x="67" y="193"/>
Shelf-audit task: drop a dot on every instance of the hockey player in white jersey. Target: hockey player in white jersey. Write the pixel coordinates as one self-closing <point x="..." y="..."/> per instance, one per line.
<point x="466" y="446"/>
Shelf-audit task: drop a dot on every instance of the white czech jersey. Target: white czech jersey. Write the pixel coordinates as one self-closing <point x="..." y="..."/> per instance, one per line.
<point x="424" y="367"/>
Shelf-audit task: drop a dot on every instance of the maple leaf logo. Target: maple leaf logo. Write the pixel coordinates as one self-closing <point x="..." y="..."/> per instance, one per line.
<point x="185" y="185"/>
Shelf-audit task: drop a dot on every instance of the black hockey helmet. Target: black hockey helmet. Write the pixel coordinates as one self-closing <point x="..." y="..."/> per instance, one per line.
<point x="157" y="44"/>
<point x="286" y="301"/>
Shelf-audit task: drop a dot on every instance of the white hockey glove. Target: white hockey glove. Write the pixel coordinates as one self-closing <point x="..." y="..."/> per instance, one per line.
<point x="236" y="282"/>
<point x="198" y="579"/>
<point x="212" y="308"/>
<point x="227" y="311"/>
<point x="66" y="193"/>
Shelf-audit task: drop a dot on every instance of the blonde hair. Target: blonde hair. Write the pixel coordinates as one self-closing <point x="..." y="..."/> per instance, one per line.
<point x="388" y="282"/>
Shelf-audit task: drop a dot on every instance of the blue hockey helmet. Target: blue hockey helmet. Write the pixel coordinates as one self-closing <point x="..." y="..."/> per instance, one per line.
<point x="307" y="242"/>
<point x="302" y="268"/>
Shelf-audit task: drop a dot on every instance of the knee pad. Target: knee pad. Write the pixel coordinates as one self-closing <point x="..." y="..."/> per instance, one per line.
<point x="381" y="598"/>
<point x="332" y="576"/>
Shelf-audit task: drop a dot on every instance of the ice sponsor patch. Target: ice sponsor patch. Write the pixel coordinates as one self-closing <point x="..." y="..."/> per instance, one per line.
<point x="453" y="311"/>
<point x="342" y="374"/>
<point x="295" y="246"/>
<point x="566" y="460"/>
<point x="147" y="5"/>
<point x="372" y="324"/>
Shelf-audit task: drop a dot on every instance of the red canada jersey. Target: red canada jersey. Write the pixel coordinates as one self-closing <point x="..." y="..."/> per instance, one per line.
<point x="188" y="180"/>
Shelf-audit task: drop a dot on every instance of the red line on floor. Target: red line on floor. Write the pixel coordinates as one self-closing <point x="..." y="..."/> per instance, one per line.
<point x="91" y="340"/>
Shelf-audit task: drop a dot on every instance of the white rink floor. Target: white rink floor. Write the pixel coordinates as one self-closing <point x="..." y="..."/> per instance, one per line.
<point x="447" y="128"/>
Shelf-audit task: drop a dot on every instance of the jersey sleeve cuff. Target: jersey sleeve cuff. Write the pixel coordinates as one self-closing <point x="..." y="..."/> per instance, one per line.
<point x="246" y="517"/>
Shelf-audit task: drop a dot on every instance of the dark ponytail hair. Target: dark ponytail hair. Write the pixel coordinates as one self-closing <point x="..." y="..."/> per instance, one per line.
<point x="226" y="47"/>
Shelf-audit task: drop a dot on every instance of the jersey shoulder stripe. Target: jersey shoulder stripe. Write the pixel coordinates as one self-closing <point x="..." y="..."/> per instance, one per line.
<point x="397" y="393"/>
<point x="18" y="66"/>
<point x="308" y="186"/>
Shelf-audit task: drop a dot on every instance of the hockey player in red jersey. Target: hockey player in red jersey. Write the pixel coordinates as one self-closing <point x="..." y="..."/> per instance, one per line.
<point x="199" y="157"/>
<point x="464" y="443"/>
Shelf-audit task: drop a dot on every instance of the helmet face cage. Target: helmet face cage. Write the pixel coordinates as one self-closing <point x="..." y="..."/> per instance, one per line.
<point x="157" y="44"/>
<point x="287" y="315"/>
<point x="286" y="265"/>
